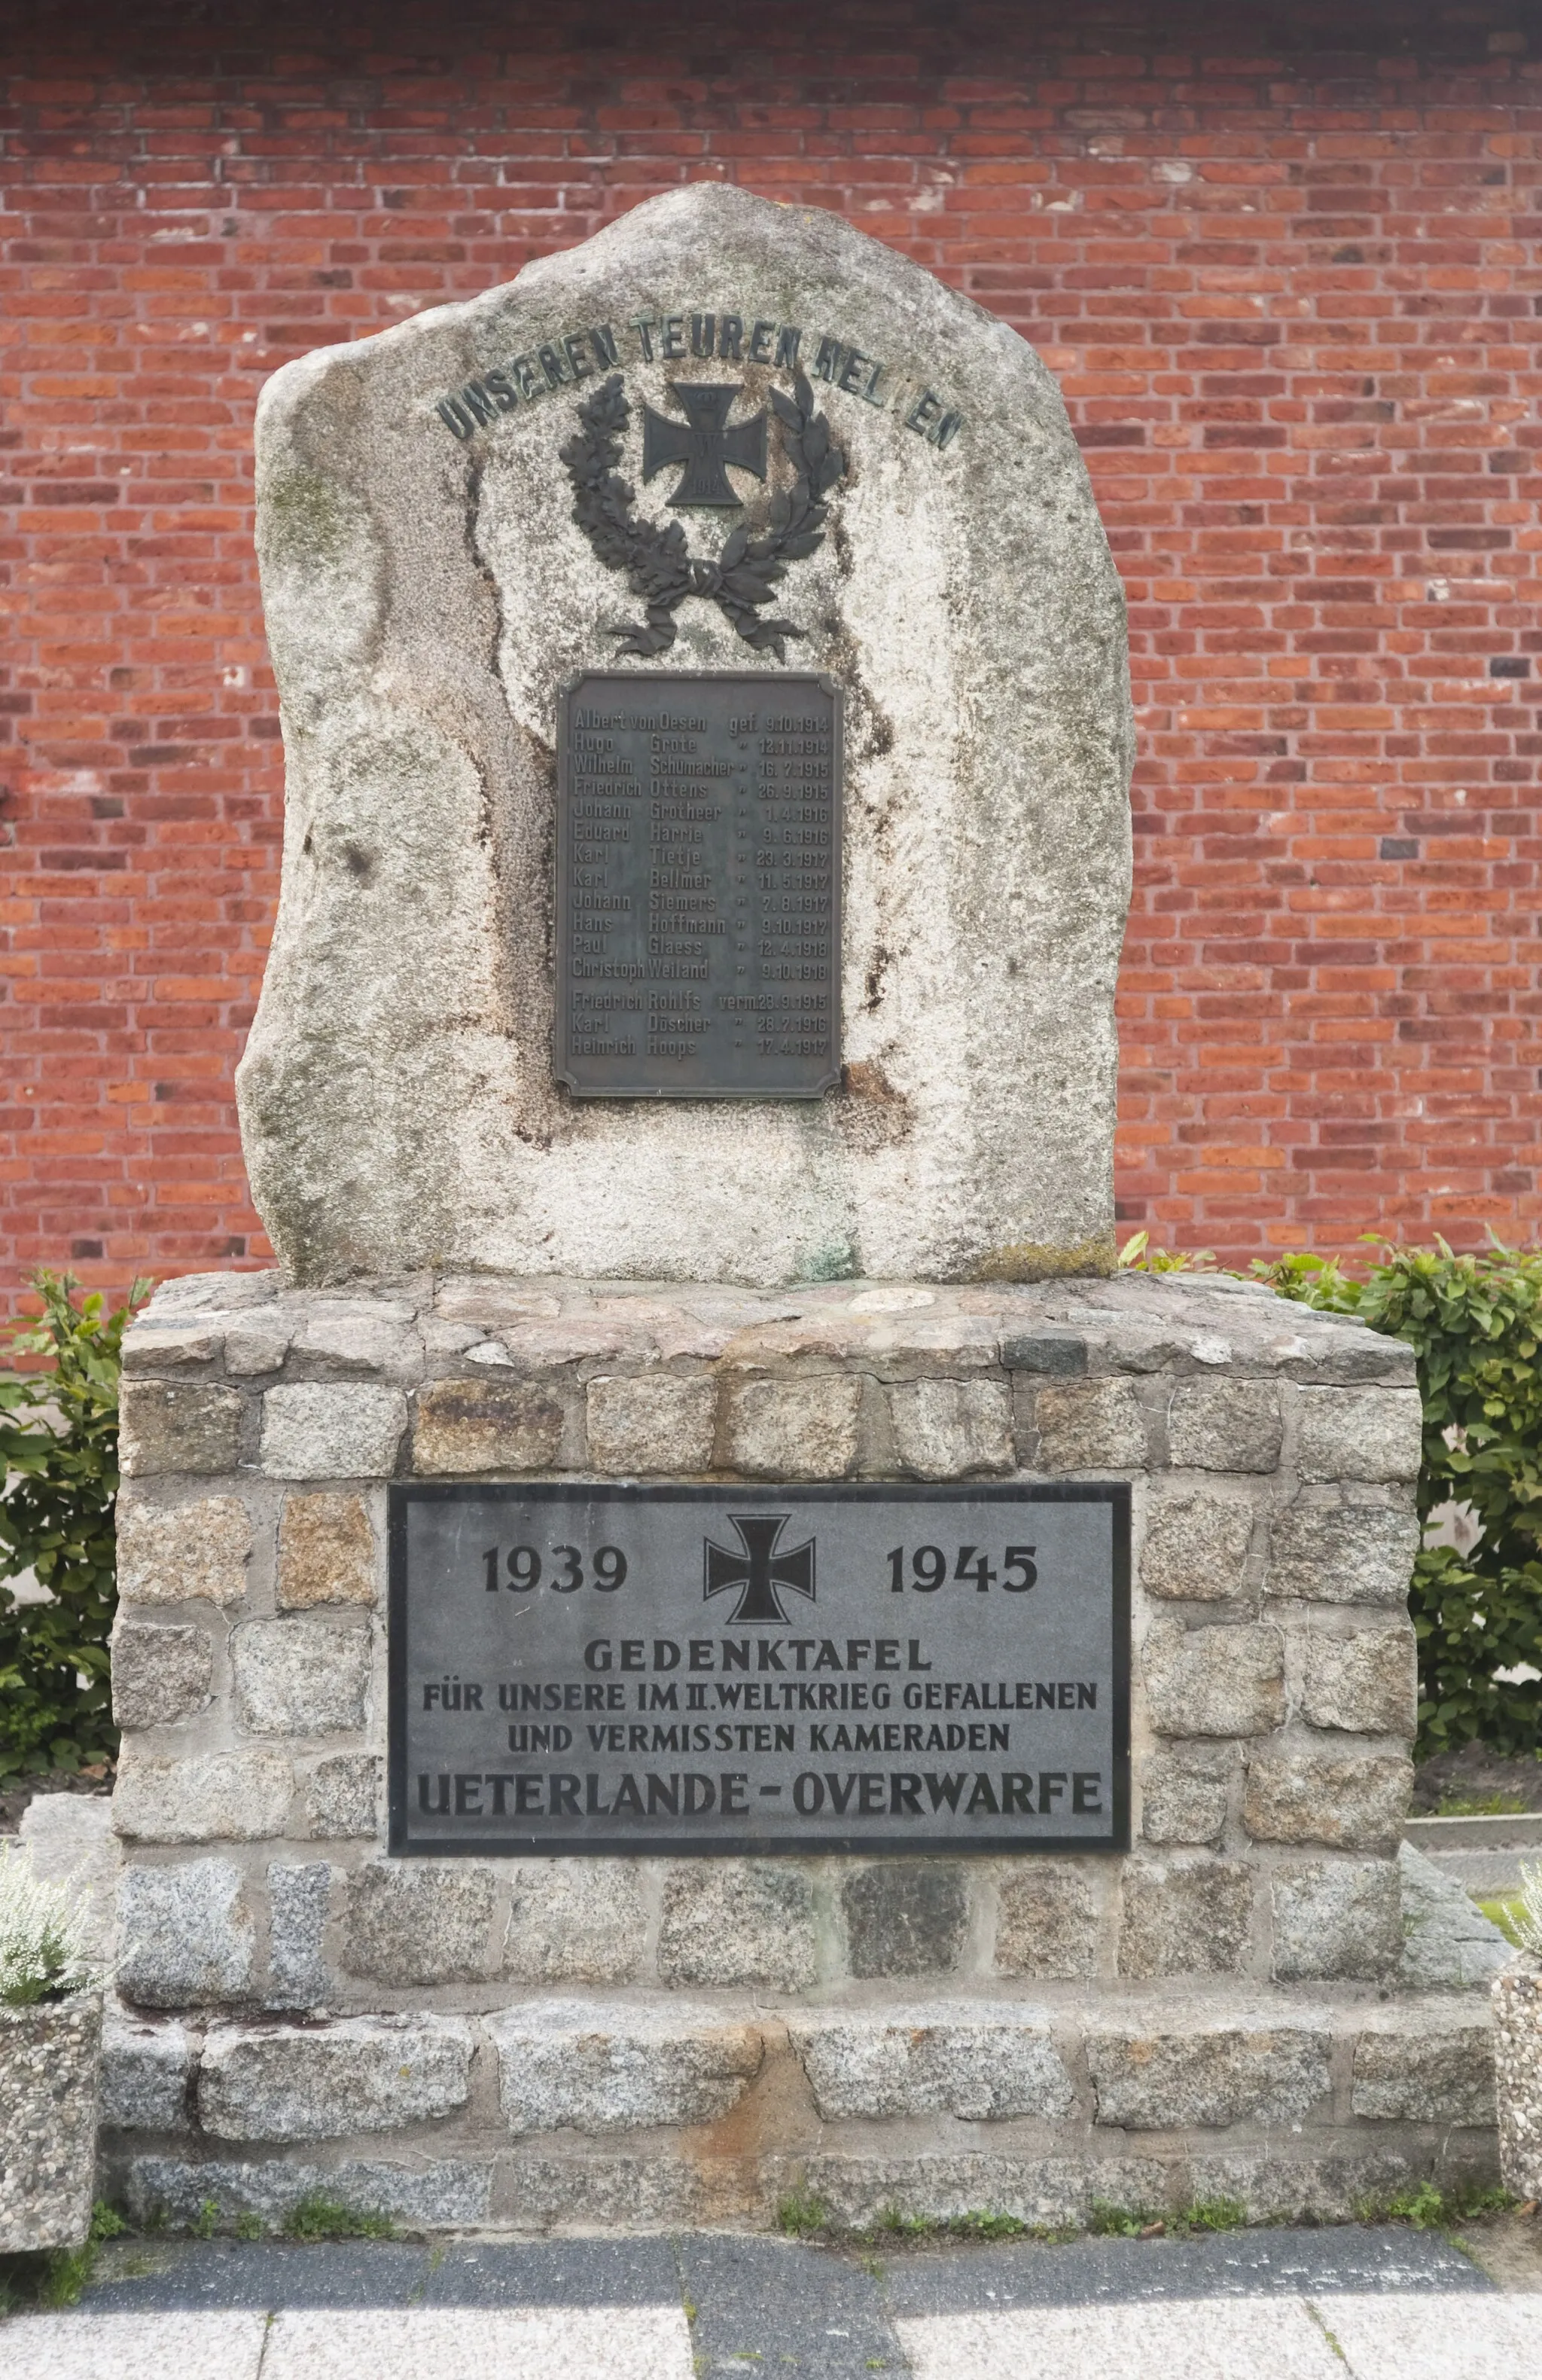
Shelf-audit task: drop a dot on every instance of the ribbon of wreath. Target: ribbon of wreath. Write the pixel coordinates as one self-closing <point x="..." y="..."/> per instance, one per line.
<point x="659" y="565"/>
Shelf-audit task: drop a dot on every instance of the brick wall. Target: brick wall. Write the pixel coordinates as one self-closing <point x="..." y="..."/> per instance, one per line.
<point x="1293" y="295"/>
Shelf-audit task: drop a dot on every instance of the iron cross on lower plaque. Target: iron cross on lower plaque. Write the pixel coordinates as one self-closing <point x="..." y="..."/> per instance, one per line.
<point x="758" y="1568"/>
<point x="703" y="442"/>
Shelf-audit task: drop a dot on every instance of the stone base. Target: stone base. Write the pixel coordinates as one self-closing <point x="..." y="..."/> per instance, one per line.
<point x="648" y="2110"/>
<point x="1235" y="2008"/>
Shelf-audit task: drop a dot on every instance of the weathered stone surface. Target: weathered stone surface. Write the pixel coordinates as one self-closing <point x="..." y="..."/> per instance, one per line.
<point x="183" y="1553"/>
<point x="1186" y="1915"/>
<point x="160" y="1674"/>
<point x="1517" y="2004"/>
<point x="238" y="1797"/>
<point x="652" y="1425"/>
<point x="396" y="1096"/>
<point x="1205" y="2071"/>
<point x="1047" y="1920"/>
<point x="791" y="1429"/>
<point x="465" y="1426"/>
<point x="579" y="1921"/>
<point x="613" y="2067"/>
<point x="905" y="1917"/>
<point x="446" y="2193"/>
<point x="256" y="1343"/>
<point x="1048" y="2192"/>
<point x="1448" y="1944"/>
<point x="68" y="1839"/>
<point x="1213" y="1680"/>
<point x="48" y="2101"/>
<point x="653" y="2190"/>
<point x="300" y="1677"/>
<point x="1225" y="1426"/>
<point x="738" y="1922"/>
<point x="317" y="2083"/>
<point x="1366" y="1683"/>
<point x="322" y="1429"/>
<point x="952" y="1429"/>
<point x="1310" y="2187"/>
<point x="1338" y="1918"/>
<point x="297" y="1904"/>
<point x="185" y="1935"/>
<point x="1360" y="1434"/>
<point x="178" y="1425"/>
<point x="172" y="1344"/>
<point x="1196" y="1546"/>
<point x="1088" y="1425"/>
<point x="343" y="1794"/>
<point x="976" y="2060"/>
<point x="1342" y="1553"/>
<point x="377" y="1337"/>
<point x="145" y="2068"/>
<point x="419" y="1922"/>
<point x="1185" y="1793"/>
<point x="1426" y="2070"/>
<point x="326" y="1552"/>
<point x="1350" y="1800"/>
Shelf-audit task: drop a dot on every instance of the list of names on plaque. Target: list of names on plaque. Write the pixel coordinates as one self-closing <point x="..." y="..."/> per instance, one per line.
<point x="698" y="886"/>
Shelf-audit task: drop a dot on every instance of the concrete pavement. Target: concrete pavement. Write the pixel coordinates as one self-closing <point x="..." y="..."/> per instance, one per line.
<point x="1350" y="2304"/>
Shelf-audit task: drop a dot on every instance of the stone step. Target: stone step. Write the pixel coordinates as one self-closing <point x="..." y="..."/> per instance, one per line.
<point x="603" y="2101"/>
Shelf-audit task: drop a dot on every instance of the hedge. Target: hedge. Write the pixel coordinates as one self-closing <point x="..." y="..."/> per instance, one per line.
<point x="59" y="1466"/>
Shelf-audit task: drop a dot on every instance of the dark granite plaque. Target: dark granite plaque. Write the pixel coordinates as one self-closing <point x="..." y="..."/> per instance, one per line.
<point x="717" y="1670"/>
<point x="698" y="886"/>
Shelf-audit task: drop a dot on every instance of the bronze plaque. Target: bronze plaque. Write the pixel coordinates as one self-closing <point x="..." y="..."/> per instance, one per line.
<point x="698" y="886"/>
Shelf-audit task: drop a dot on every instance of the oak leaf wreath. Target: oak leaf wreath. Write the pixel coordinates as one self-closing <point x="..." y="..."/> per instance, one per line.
<point x="659" y="565"/>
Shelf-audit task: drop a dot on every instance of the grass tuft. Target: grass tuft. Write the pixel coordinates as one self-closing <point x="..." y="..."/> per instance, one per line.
<point x="799" y="2213"/>
<point x="318" y="2217"/>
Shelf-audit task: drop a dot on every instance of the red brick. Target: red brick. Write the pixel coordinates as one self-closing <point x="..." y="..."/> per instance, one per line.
<point x="1293" y="306"/>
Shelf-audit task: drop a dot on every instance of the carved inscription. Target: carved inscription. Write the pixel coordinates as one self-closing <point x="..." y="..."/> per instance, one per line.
<point x="698" y="886"/>
<point x="584" y="1668"/>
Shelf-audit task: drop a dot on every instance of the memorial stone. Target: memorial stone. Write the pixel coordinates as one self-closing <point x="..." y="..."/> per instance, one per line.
<point x="696" y="1639"/>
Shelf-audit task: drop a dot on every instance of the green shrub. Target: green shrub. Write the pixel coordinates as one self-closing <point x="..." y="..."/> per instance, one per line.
<point x="1475" y="1323"/>
<point x="59" y="1469"/>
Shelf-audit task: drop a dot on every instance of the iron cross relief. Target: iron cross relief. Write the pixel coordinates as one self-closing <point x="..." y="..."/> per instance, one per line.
<point x="759" y="1570"/>
<point x="704" y="443"/>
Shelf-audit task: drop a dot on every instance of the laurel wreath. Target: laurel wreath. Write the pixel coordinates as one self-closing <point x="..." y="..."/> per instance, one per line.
<point x="658" y="563"/>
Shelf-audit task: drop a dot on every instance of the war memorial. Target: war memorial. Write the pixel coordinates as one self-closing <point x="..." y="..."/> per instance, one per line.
<point x="698" y="1641"/>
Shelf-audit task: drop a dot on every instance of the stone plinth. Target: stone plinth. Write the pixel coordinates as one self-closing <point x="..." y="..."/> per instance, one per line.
<point x="529" y="2043"/>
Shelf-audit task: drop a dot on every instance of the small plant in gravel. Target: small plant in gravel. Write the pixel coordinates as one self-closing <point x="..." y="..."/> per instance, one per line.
<point x="317" y="2218"/>
<point x="799" y="2213"/>
<point x="1212" y="2214"/>
<point x="1430" y="2209"/>
<point x="43" y="1952"/>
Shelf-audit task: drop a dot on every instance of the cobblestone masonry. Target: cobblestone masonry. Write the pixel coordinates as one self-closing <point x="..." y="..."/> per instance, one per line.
<point x="532" y="2043"/>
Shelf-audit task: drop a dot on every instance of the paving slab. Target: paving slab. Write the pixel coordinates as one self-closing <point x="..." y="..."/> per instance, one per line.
<point x="275" y="2276"/>
<point x="1458" y="2337"/>
<point x="157" y="2346"/>
<point x="1198" y="2338"/>
<point x="477" y="2343"/>
<point x="1297" y="2263"/>
<point x="774" y="2307"/>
